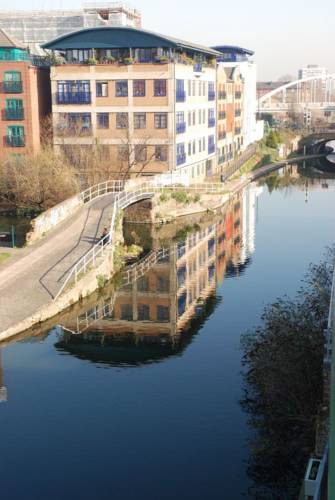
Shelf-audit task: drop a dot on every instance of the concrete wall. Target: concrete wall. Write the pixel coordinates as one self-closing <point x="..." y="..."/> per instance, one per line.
<point x="49" y="219"/>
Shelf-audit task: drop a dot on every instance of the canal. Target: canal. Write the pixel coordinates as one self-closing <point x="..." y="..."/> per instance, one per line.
<point x="142" y="399"/>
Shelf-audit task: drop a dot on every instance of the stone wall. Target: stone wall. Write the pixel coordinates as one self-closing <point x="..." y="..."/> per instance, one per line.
<point x="50" y="218"/>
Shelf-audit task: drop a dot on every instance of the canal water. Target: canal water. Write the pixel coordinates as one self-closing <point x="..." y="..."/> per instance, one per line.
<point x="138" y="394"/>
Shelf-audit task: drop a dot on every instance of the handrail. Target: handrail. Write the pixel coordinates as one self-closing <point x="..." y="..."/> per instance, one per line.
<point x="122" y="200"/>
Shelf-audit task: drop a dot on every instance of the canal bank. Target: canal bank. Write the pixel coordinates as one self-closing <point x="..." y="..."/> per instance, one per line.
<point x="36" y="307"/>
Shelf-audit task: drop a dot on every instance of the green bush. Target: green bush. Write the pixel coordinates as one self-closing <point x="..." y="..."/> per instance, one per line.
<point x="181" y="197"/>
<point x="164" y="197"/>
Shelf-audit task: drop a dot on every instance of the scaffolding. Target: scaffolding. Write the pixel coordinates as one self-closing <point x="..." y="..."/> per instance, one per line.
<point x="34" y="28"/>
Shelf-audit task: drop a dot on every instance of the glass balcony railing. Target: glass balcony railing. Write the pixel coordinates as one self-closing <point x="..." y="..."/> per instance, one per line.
<point x="181" y="96"/>
<point x="181" y="128"/>
<point x="12" y="87"/>
<point x="15" y="141"/>
<point x="222" y="159"/>
<point x="181" y="158"/>
<point x="211" y="122"/>
<point x="14" y="114"/>
<point x="211" y="95"/>
<point x="73" y="97"/>
<point x="211" y="149"/>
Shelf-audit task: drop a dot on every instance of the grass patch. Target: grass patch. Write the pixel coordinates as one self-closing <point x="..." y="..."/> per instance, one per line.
<point x="4" y="256"/>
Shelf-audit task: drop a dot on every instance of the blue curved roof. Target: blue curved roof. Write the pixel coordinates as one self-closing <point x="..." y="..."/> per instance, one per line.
<point x="120" y="38"/>
<point x="233" y="49"/>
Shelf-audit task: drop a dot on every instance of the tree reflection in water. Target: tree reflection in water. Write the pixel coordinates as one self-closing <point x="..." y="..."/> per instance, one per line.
<point x="283" y="379"/>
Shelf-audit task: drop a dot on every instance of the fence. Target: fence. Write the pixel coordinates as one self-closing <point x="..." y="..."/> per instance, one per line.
<point x="121" y="201"/>
<point x="234" y="165"/>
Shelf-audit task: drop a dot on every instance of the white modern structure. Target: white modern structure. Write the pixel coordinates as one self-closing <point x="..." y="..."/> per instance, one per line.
<point x="34" y="28"/>
<point x="249" y="211"/>
<point x="312" y="70"/>
<point x="237" y="56"/>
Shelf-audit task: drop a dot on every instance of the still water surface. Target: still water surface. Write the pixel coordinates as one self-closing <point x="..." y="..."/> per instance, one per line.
<point x="145" y="402"/>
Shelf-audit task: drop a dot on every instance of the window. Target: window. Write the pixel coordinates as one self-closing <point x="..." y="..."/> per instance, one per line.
<point x="200" y="146"/>
<point x="143" y="312"/>
<point x="203" y="116"/>
<point x="103" y="120"/>
<point x="204" y="88"/>
<point x="139" y="120"/>
<point x="189" y="118"/>
<point x="199" y="116"/>
<point x="189" y="148"/>
<point x="204" y="143"/>
<point x="121" y="88"/>
<point x="12" y="76"/>
<point x="161" y="153"/>
<point x="102" y="89"/>
<point x="160" y="120"/>
<point x="193" y="121"/>
<point x="160" y="88"/>
<point x="163" y="313"/>
<point x="121" y="120"/>
<point x="180" y="117"/>
<point x="139" y="88"/>
<point x="123" y="152"/>
<point x="127" y="312"/>
<point x="14" y="109"/>
<point x="15" y="136"/>
<point x="200" y="88"/>
<point x="189" y="87"/>
<point x="140" y="153"/>
<point x="193" y="148"/>
<point x="163" y="284"/>
<point x="193" y="88"/>
<point x="143" y="284"/>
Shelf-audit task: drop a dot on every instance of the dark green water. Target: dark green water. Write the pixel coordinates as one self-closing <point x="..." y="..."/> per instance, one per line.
<point x="149" y="407"/>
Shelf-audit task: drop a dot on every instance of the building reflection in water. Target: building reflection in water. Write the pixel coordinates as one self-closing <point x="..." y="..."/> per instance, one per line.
<point x="165" y="298"/>
<point x="3" y="389"/>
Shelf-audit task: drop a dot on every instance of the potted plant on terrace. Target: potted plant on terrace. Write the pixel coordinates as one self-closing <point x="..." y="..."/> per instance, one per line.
<point x="128" y="60"/>
<point x="161" y="59"/>
<point x="91" y="61"/>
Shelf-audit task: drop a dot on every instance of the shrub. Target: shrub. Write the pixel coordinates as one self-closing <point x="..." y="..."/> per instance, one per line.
<point x="164" y="197"/>
<point x="181" y="197"/>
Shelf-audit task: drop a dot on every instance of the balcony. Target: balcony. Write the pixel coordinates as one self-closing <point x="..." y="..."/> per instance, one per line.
<point x="13" y="114"/>
<point x="197" y="68"/>
<point x="222" y="159"/>
<point x="237" y="130"/>
<point x="211" y="122"/>
<point x="222" y="95"/>
<point x="73" y="98"/>
<point x="181" y="128"/>
<point x="222" y="115"/>
<point x="211" y="149"/>
<point x="238" y="95"/>
<point x="180" y="96"/>
<point x="181" y="158"/>
<point x="12" y="87"/>
<point x="238" y="112"/>
<point x="211" y="95"/>
<point x="222" y="135"/>
<point x="15" y="141"/>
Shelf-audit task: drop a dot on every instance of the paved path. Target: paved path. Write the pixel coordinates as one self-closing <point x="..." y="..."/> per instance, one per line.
<point x="32" y="278"/>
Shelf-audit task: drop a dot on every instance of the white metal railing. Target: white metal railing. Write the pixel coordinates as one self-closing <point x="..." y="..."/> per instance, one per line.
<point x="122" y="200"/>
<point x="102" y="189"/>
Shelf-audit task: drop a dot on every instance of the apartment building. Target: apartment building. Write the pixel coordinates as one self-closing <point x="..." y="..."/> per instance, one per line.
<point x="147" y="100"/>
<point x="230" y="138"/>
<point x="24" y="98"/>
<point x="237" y="57"/>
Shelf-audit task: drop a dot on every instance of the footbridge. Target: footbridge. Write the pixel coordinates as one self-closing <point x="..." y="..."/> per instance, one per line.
<point x="41" y="276"/>
<point x="313" y="93"/>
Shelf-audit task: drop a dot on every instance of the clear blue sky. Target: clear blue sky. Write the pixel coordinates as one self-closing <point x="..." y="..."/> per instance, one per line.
<point x="285" y="34"/>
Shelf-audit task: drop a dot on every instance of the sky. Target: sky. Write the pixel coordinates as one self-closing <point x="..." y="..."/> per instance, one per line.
<point x="285" y="35"/>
